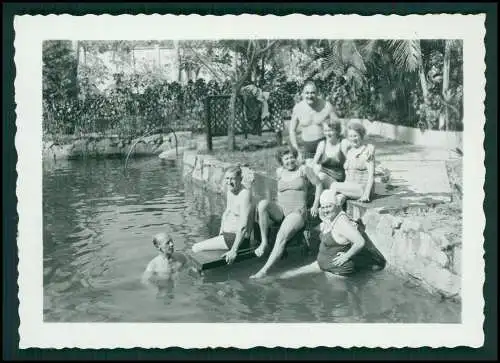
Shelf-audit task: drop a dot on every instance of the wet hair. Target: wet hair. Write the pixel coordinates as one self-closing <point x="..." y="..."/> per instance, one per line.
<point x="358" y="127"/>
<point x="236" y="170"/>
<point x="284" y="151"/>
<point x="335" y="125"/>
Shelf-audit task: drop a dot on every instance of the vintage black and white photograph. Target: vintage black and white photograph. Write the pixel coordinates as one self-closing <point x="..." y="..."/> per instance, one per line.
<point x="302" y="181"/>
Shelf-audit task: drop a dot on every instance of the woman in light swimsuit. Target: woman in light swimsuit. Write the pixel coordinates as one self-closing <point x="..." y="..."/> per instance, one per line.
<point x="307" y="118"/>
<point x="359" y="166"/>
<point x="330" y="154"/>
<point x="343" y="250"/>
<point x="290" y="209"/>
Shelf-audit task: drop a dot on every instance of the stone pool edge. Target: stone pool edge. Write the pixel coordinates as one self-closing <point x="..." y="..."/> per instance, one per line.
<point x="102" y="146"/>
<point x="425" y="258"/>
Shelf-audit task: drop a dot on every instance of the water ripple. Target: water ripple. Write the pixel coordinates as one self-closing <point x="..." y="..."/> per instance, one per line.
<point x="98" y="225"/>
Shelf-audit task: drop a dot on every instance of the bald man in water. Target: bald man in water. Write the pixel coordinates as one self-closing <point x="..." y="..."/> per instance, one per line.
<point x="163" y="268"/>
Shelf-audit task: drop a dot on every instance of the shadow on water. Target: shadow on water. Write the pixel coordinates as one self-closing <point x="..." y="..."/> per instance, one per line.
<point x="98" y="225"/>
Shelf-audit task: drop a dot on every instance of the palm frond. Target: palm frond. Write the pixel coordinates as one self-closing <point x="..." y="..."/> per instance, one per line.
<point x="354" y="76"/>
<point x="332" y="64"/>
<point x="368" y="49"/>
<point x="351" y="56"/>
<point x="407" y="54"/>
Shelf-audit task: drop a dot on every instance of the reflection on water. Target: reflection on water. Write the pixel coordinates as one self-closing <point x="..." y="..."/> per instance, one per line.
<point x="98" y="223"/>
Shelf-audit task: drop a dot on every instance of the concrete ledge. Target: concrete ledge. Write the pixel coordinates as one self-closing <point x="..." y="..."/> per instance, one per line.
<point x="431" y="138"/>
<point x="416" y="136"/>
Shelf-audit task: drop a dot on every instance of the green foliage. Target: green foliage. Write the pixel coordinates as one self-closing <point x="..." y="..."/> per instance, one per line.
<point x="380" y="79"/>
<point x="59" y="83"/>
<point x="374" y="79"/>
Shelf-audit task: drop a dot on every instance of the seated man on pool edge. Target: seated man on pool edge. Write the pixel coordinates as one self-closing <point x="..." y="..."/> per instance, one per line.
<point x="237" y="219"/>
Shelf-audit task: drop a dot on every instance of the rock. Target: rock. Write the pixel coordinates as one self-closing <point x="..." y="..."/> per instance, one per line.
<point x="164" y="146"/>
<point x="171" y="153"/>
<point x="189" y="159"/>
<point x="217" y="177"/>
<point x="442" y="240"/>
<point x="201" y="146"/>
<point x="198" y="168"/>
<point x="371" y="219"/>
<point x="153" y="139"/>
<point x="441" y="279"/>
<point x="413" y="245"/>
<point x="384" y="226"/>
<point x="205" y="170"/>
<point x="401" y="253"/>
<point x="80" y="147"/>
<point x="103" y="147"/>
<point x="440" y="258"/>
<point x="457" y="261"/>
<point x="409" y="225"/>
<point x="248" y="177"/>
<point x="396" y="222"/>
<point x="91" y="147"/>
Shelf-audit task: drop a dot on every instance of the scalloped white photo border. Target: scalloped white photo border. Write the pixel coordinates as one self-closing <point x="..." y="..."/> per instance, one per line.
<point x="30" y="31"/>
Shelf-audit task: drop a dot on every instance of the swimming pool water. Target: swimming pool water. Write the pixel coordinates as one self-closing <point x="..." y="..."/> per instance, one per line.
<point x="99" y="220"/>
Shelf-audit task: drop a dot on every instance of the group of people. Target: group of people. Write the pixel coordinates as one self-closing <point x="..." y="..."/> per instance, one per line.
<point x="339" y="168"/>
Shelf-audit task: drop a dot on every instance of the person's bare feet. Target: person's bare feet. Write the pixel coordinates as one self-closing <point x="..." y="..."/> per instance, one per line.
<point x="259" y="251"/>
<point x="259" y="275"/>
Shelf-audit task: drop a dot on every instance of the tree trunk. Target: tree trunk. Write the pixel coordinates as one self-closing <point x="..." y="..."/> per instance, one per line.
<point x="133" y="58"/>
<point x="423" y="81"/>
<point x="446" y="82"/>
<point x="262" y="72"/>
<point x="77" y="50"/>
<point x="232" y="106"/>
<point x="425" y="90"/>
<point x="177" y="62"/>
<point x="232" y="118"/>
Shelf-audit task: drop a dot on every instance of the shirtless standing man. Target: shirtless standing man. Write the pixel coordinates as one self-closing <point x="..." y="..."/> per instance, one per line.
<point x="236" y="221"/>
<point x="308" y="117"/>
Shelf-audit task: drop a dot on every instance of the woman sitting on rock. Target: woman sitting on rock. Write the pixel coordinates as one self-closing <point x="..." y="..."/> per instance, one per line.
<point x="359" y="166"/>
<point x="343" y="250"/>
<point x="290" y="209"/>
<point x="330" y="154"/>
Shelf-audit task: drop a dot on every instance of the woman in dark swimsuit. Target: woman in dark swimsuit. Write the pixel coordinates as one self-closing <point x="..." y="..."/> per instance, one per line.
<point x="331" y="154"/>
<point x="343" y="250"/>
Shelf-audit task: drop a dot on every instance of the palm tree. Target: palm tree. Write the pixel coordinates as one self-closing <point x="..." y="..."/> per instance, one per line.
<point x="450" y="46"/>
<point x="399" y="60"/>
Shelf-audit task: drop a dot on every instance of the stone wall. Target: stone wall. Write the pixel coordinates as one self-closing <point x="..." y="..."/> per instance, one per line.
<point x="209" y="171"/>
<point x="428" y="256"/>
<point x="89" y="146"/>
<point x="425" y="256"/>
